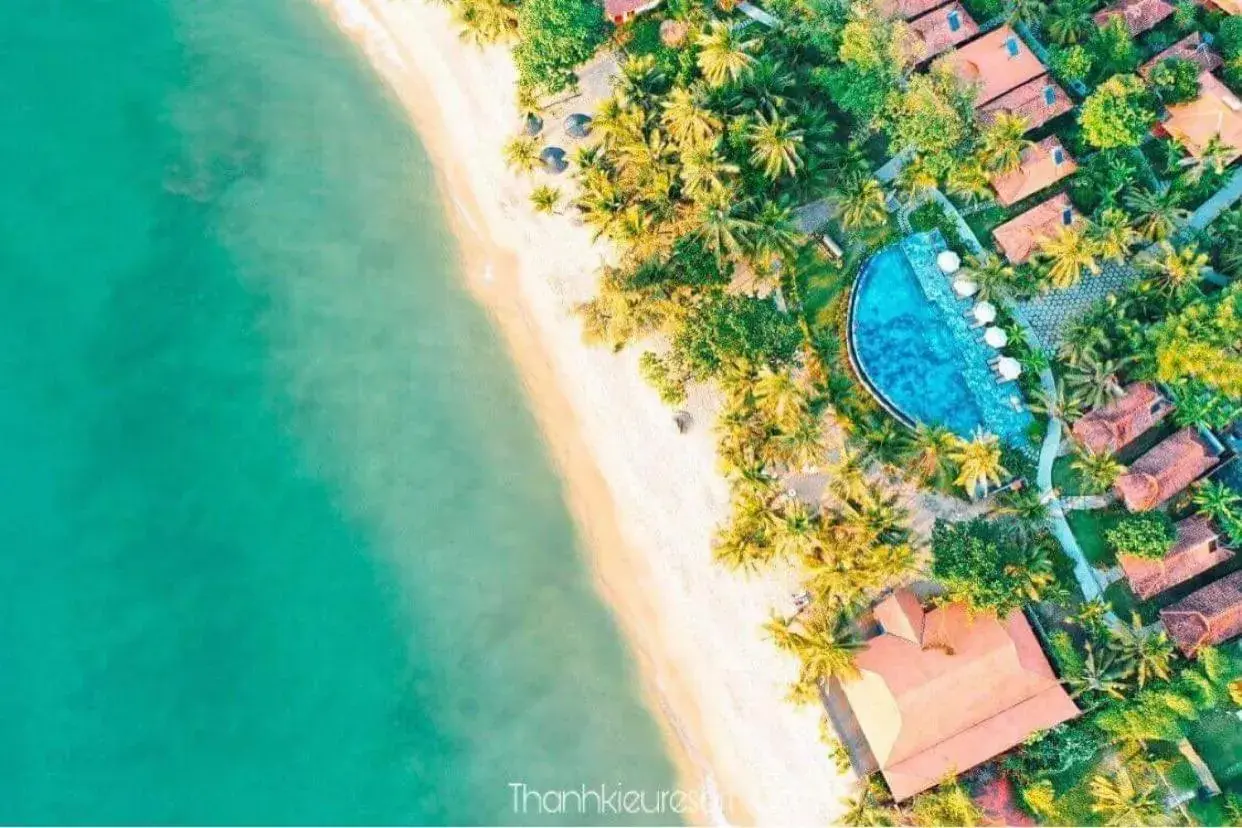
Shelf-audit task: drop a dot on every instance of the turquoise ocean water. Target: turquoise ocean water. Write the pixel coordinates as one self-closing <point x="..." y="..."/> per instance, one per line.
<point x="278" y="539"/>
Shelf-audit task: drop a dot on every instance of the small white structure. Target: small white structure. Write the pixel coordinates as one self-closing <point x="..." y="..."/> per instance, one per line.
<point x="948" y="261"/>
<point x="985" y="313"/>
<point x="964" y="288"/>
<point x="996" y="337"/>
<point x="1009" y="368"/>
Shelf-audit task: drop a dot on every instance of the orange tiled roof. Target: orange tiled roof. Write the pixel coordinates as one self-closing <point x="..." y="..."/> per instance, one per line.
<point x="1117" y="424"/>
<point x="1028" y="100"/>
<point x="1192" y="48"/>
<point x="1228" y="6"/>
<point x="1208" y="616"/>
<point x="987" y="63"/>
<point x="1216" y="112"/>
<point x="1195" y="552"/>
<point x="940" y="692"/>
<point x="1164" y="471"/>
<point x="1039" y="170"/>
<point x="906" y="9"/>
<point x="1019" y="237"/>
<point x="1140" y="15"/>
<point x="619" y="10"/>
<point x="934" y="31"/>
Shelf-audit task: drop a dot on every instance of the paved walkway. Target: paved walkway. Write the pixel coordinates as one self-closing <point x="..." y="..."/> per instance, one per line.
<point x="1080" y="502"/>
<point x="759" y="15"/>
<point x="1221" y="201"/>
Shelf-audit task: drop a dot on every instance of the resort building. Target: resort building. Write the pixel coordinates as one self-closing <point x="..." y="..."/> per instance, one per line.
<point x="1164" y="471"/>
<point x="1192" y="47"/>
<point x="1038" y="101"/>
<point x="906" y="9"/>
<point x="940" y="692"/>
<point x="1116" y="425"/>
<point x="619" y="11"/>
<point x="943" y="28"/>
<point x="1216" y="113"/>
<point x="1043" y="165"/>
<point x="1196" y="550"/>
<point x="995" y="64"/>
<point x="1019" y="237"/>
<point x="1206" y="617"/>
<point x="1140" y="15"/>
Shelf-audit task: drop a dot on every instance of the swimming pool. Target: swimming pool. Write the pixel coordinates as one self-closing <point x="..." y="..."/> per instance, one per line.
<point x="918" y="351"/>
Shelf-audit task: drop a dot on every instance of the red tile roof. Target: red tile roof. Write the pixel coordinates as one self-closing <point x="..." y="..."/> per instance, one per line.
<point x="1195" y="552"/>
<point x="1190" y="48"/>
<point x="1039" y="170"/>
<point x="961" y="692"/>
<point x="1028" y="101"/>
<point x="619" y="10"/>
<point x="1216" y="113"/>
<point x="1208" y="616"/>
<point x="906" y="9"/>
<point x="986" y="62"/>
<point x="935" y="33"/>
<point x="1019" y="237"/>
<point x="1228" y="6"/>
<point x="1140" y="15"/>
<point x="1164" y="471"/>
<point x="1117" y="424"/>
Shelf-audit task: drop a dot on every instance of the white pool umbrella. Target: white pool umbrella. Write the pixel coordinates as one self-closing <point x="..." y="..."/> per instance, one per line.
<point x="964" y="287"/>
<point x="985" y="313"/>
<point x="948" y="261"/>
<point x="996" y="337"/>
<point x="1009" y="368"/>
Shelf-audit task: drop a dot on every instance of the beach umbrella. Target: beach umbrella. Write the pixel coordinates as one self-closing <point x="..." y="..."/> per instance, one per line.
<point x="996" y="337"/>
<point x="948" y="261"/>
<point x="985" y="313"/>
<point x="578" y="125"/>
<point x="533" y="125"/>
<point x="553" y="159"/>
<point x="1009" y="368"/>
<point x="963" y="287"/>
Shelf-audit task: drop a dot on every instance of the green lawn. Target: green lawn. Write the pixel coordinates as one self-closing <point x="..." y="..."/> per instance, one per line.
<point x="1088" y="527"/>
<point x="1218" y="738"/>
<point x="1065" y="478"/>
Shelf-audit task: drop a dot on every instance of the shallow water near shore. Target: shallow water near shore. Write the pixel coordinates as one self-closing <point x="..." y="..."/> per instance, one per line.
<point x="281" y="543"/>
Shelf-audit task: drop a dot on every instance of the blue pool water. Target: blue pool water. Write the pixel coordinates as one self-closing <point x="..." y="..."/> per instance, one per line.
<point x="917" y="348"/>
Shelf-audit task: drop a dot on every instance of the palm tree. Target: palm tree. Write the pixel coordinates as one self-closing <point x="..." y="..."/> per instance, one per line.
<point x="1026" y="12"/>
<point x="994" y="276"/>
<point x="824" y="644"/>
<point x="776" y="145"/>
<point x="1149" y="654"/>
<point x="780" y="396"/>
<point x="1124" y="799"/>
<point x="724" y="54"/>
<point x="722" y="230"/>
<point x="766" y="86"/>
<point x="1113" y="236"/>
<point x="948" y="804"/>
<point x="1159" y="211"/>
<point x="1214" y="158"/>
<point x="969" y="181"/>
<point x="1068" y="255"/>
<point x="867" y="809"/>
<point x="1173" y="270"/>
<point x="800" y="445"/>
<point x="1100" y="675"/>
<point x="794" y="531"/>
<point x="486" y="21"/>
<point x="915" y="178"/>
<point x="860" y="202"/>
<point x="927" y="449"/>
<point x="703" y="172"/>
<point x="1032" y="571"/>
<point x="979" y="462"/>
<point x="1099" y="470"/>
<point x="848" y="479"/>
<point x="1216" y="500"/>
<point x="1094" y="380"/>
<point x="545" y="199"/>
<point x="1057" y="404"/>
<point x="521" y="153"/>
<point x="773" y="232"/>
<point x="1069" y="21"/>
<point x="1004" y="142"/>
<point x="686" y="119"/>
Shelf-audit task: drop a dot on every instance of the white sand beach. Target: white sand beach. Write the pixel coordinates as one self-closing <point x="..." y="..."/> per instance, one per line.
<point x="646" y="497"/>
